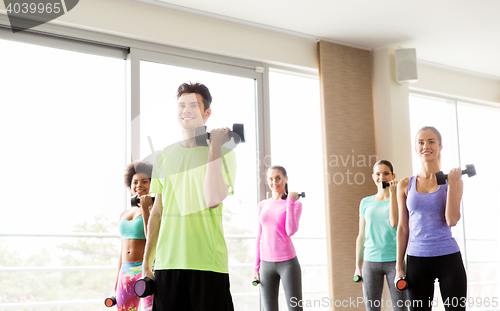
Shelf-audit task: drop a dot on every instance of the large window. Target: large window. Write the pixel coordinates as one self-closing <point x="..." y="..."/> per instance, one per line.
<point x="296" y="144"/>
<point x="470" y="134"/>
<point x="72" y="121"/>
<point x="63" y="153"/>
<point x="234" y="101"/>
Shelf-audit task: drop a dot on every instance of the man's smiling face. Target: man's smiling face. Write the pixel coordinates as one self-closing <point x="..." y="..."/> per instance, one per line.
<point x="191" y="111"/>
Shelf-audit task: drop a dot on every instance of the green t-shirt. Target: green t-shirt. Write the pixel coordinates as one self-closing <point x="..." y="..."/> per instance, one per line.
<point x="380" y="236"/>
<point x="191" y="235"/>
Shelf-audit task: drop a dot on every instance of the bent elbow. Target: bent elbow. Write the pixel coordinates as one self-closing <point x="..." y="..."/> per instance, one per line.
<point x="394" y="224"/>
<point x="452" y="222"/>
<point x="211" y="200"/>
<point x="212" y="203"/>
<point x="291" y="231"/>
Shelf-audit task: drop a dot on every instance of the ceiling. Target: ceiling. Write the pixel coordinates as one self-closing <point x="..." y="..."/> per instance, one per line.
<point x="464" y="34"/>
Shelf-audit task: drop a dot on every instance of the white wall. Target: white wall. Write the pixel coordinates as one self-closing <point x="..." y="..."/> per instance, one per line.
<point x="458" y="83"/>
<point x="390" y="102"/>
<point x="166" y="26"/>
<point x="391" y="113"/>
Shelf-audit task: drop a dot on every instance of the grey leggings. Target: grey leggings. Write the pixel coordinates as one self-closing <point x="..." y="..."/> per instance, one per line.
<point x="373" y="283"/>
<point x="270" y="275"/>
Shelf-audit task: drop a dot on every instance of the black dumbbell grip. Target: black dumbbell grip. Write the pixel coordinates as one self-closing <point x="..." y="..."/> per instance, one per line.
<point x="144" y="287"/>
<point x="357" y="278"/>
<point x="284" y="195"/>
<point x="135" y="200"/>
<point x="203" y="137"/>
<point x="255" y="282"/>
<point x="442" y="177"/>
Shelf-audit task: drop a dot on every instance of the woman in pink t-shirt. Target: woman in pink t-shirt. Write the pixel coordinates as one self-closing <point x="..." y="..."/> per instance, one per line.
<point x="276" y="258"/>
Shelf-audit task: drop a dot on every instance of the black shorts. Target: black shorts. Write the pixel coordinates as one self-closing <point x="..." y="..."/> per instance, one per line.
<point x="192" y="290"/>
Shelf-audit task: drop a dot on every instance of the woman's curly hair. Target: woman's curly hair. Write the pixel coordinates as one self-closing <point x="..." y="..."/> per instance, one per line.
<point x="137" y="167"/>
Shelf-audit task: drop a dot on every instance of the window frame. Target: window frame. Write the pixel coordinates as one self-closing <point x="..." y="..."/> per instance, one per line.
<point x="454" y="101"/>
<point x="133" y="50"/>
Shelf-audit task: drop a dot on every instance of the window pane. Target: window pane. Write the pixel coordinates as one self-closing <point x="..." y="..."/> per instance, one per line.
<point x="295" y="123"/>
<point x="479" y="130"/>
<point x="426" y="111"/>
<point x="474" y="137"/>
<point x="63" y="137"/>
<point x="441" y="115"/>
<point x="233" y="102"/>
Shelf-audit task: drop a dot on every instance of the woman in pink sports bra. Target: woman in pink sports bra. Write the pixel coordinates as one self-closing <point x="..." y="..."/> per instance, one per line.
<point x="275" y="258"/>
<point x="133" y="227"/>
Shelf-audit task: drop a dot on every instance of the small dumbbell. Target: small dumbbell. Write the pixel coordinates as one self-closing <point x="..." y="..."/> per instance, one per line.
<point x="284" y="195"/>
<point x="357" y="278"/>
<point x="401" y="284"/>
<point x="441" y="177"/>
<point x="385" y="184"/>
<point x="255" y="282"/>
<point x="144" y="287"/>
<point x="110" y="301"/>
<point x="135" y="200"/>
<point x="203" y="137"/>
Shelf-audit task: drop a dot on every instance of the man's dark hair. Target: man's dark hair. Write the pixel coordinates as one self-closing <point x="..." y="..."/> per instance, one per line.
<point x="196" y="88"/>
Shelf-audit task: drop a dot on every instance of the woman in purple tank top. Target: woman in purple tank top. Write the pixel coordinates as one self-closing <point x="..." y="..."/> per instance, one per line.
<point x="427" y="211"/>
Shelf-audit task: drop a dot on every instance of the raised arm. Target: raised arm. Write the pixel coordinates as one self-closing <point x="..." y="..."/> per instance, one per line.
<point x="146" y="203"/>
<point x="455" y="191"/>
<point x="393" y="201"/>
<point x="293" y="212"/>
<point x="152" y="237"/>
<point x="403" y="228"/>
<point x="214" y="187"/>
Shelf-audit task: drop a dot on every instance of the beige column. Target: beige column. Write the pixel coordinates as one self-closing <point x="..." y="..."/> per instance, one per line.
<point x="349" y="146"/>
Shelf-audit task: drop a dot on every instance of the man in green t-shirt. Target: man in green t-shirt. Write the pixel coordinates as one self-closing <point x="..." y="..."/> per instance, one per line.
<point x="185" y="236"/>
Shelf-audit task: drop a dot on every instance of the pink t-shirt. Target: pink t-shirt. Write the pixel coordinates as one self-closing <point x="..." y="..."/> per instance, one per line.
<point x="278" y="221"/>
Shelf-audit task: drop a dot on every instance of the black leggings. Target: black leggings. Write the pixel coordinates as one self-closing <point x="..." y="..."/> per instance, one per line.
<point x="421" y="273"/>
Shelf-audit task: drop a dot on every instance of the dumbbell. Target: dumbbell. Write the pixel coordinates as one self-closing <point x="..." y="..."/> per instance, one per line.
<point x="110" y="301"/>
<point x="441" y="177"/>
<point x="357" y="278"/>
<point x="401" y="284"/>
<point x="284" y="195"/>
<point x="144" y="287"/>
<point x="385" y="184"/>
<point x="203" y="137"/>
<point x="255" y="282"/>
<point x="135" y="200"/>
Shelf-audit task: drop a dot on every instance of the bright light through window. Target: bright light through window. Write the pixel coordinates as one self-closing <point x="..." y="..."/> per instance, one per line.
<point x="296" y="144"/>
<point x="63" y="158"/>
<point x="469" y="132"/>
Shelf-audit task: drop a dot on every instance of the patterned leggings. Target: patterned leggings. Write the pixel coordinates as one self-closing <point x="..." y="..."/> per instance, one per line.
<point x="126" y="300"/>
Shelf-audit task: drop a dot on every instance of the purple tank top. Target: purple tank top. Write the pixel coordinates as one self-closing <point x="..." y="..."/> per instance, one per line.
<point x="430" y="235"/>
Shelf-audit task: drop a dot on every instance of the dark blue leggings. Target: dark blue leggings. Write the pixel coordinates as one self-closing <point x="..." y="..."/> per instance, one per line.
<point x="421" y="273"/>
